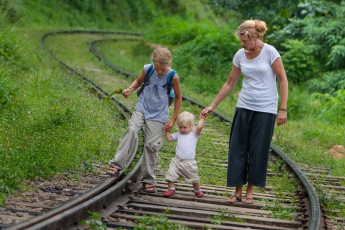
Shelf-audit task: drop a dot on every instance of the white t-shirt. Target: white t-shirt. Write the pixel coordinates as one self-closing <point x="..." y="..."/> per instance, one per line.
<point x="185" y="144"/>
<point x="259" y="88"/>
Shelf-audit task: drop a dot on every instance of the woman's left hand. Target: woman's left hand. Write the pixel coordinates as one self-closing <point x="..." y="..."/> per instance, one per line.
<point x="282" y="117"/>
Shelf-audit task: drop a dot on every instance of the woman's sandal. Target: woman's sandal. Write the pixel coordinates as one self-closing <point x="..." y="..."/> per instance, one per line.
<point x="248" y="200"/>
<point x="149" y="188"/>
<point x="112" y="171"/>
<point x="233" y="199"/>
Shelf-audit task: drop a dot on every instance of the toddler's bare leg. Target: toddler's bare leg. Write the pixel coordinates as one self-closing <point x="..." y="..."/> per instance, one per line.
<point x="171" y="184"/>
<point x="171" y="189"/>
<point x="196" y="186"/>
<point x="197" y="190"/>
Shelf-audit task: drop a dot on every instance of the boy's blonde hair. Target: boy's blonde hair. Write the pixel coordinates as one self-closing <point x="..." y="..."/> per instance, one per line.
<point x="162" y="56"/>
<point x="185" y="119"/>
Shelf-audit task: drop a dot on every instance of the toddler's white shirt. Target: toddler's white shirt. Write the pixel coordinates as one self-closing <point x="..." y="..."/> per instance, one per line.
<point x="185" y="144"/>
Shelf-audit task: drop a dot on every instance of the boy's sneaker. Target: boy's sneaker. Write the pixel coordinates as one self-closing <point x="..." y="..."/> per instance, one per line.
<point x="169" y="193"/>
<point x="198" y="194"/>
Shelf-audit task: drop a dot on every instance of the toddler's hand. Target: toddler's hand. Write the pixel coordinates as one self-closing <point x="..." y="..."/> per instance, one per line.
<point x="202" y="116"/>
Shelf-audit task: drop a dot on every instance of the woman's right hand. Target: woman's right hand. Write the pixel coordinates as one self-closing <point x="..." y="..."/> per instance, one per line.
<point x="206" y="111"/>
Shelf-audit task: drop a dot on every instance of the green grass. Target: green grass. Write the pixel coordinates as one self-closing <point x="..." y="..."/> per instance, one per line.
<point x="51" y="122"/>
<point x="307" y="142"/>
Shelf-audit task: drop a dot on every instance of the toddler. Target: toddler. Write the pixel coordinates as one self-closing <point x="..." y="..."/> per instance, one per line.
<point x="184" y="164"/>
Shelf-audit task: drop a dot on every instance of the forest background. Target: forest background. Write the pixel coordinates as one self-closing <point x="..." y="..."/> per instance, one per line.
<point x="45" y="113"/>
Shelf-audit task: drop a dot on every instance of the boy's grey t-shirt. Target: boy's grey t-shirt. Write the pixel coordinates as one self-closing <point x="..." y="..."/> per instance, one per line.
<point x="259" y="88"/>
<point x="153" y="102"/>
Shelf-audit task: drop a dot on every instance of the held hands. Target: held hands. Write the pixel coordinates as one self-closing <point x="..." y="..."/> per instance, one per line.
<point x="202" y="117"/>
<point x="206" y="111"/>
<point x="169" y="125"/>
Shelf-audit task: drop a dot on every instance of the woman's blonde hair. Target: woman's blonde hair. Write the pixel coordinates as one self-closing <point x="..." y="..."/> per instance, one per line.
<point x="252" y="29"/>
<point x="162" y="56"/>
<point x="185" y="119"/>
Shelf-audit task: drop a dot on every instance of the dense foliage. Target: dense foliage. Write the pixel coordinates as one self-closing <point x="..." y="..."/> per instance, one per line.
<point x="275" y="14"/>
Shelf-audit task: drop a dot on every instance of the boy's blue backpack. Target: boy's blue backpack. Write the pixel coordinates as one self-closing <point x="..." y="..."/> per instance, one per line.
<point x="168" y="85"/>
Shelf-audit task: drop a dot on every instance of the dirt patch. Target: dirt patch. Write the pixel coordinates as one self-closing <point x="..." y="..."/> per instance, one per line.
<point x="337" y="151"/>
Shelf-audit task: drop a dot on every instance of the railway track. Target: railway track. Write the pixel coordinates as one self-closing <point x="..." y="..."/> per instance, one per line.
<point x="123" y="205"/>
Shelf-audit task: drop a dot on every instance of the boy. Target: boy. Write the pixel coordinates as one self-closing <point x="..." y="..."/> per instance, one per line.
<point x="184" y="164"/>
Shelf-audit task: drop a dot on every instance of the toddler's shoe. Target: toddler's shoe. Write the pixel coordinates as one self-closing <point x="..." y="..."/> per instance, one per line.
<point x="169" y="193"/>
<point x="198" y="194"/>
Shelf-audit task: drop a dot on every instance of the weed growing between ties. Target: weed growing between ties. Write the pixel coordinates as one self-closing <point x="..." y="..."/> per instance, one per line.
<point x="94" y="222"/>
<point x="225" y="215"/>
<point x="282" y="181"/>
<point x="334" y="208"/>
<point x="157" y="222"/>
<point x="283" y="184"/>
<point x="280" y="212"/>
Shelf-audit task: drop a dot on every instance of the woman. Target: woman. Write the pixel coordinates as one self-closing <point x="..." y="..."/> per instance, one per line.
<point x="256" y="109"/>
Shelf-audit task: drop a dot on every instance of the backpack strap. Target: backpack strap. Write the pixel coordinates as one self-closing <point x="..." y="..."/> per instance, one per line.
<point x="146" y="79"/>
<point x="148" y="74"/>
<point x="168" y="85"/>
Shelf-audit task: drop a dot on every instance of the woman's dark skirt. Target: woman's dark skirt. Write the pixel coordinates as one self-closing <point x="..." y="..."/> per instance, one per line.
<point x="250" y="141"/>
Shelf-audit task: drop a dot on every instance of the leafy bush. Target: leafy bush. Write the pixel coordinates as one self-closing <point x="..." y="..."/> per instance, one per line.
<point x="326" y="34"/>
<point x="299" y="63"/>
<point x="292" y="30"/>
<point x="205" y="52"/>
<point x="174" y="31"/>
<point x="275" y="13"/>
<point x="320" y="106"/>
<point x="10" y="10"/>
<point x="330" y="108"/>
<point x="206" y="60"/>
<point x="298" y="103"/>
<point x="9" y="56"/>
<point x="106" y="14"/>
<point x="8" y="45"/>
<point x="319" y="33"/>
<point x="336" y="58"/>
<point x="4" y="88"/>
<point x="329" y="83"/>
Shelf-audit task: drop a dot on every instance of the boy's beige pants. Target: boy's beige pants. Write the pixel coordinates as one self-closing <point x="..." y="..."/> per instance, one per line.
<point x="128" y="146"/>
